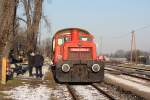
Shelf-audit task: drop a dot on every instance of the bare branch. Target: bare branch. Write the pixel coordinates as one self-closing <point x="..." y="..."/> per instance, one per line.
<point x="18" y="18"/>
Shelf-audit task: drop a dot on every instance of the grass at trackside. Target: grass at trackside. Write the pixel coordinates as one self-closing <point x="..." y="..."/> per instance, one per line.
<point x="10" y="84"/>
<point x="3" y="96"/>
<point x="48" y="81"/>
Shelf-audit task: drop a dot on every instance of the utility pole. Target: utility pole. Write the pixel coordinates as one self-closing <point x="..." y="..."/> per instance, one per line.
<point x="133" y="47"/>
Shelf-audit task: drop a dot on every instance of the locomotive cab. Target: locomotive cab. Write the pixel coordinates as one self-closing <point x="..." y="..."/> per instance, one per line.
<point x="74" y="57"/>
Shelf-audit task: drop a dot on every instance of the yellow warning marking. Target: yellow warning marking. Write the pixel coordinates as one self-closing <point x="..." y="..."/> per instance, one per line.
<point x="4" y="64"/>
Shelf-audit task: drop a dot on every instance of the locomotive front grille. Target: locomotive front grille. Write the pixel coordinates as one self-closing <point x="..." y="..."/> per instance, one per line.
<point x="79" y="73"/>
<point x="80" y="54"/>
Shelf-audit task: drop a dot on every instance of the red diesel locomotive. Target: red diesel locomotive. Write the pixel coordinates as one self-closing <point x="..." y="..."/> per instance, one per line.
<point x="74" y="57"/>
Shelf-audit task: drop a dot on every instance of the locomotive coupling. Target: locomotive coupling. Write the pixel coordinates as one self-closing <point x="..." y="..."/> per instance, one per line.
<point x="96" y="68"/>
<point x="65" y="67"/>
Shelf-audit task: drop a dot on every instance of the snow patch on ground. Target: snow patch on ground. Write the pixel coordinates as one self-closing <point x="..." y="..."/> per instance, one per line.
<point x="87" y="92"/>
<point x="27" y="92"/>
<point x="39" y="92"/>
<point x="61" y="93"/>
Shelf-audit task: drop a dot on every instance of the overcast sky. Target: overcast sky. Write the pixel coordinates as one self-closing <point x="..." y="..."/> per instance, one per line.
<point x="113" y="20"/>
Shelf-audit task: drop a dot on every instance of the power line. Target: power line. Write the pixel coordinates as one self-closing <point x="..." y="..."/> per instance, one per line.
<point x="141" y="28"/>
<point x="121" y="36"/>
<point x="127" y="34"/>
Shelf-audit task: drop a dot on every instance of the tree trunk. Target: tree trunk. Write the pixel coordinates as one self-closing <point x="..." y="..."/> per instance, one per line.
<point x="7" y="22"/>
<point x="36" y="20"/>
<point x="32" y="22"/>
<point x="27" y="6"/>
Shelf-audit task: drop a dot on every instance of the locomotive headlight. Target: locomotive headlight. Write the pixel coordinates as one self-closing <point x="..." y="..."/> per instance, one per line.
<point x="65" y="67"/>
<point x="96" y="68"/>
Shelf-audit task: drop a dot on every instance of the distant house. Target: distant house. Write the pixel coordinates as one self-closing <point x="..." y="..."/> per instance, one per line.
<point x="119" y="59"/>
<point x="148" y="60"/>
<point x="144" y="60"/>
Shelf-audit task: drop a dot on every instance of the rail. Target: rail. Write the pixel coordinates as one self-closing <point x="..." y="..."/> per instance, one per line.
<point x="129" y="73"/>
<point x="74" y="97"/>
<point x="103" y="92"/>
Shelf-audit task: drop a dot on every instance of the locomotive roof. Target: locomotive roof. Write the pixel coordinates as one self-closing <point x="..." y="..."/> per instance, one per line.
<point x="67" y="29"/>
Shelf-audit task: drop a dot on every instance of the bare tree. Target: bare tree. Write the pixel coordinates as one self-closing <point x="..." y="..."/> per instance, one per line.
<point x="33" y="21"/>
<point x="33" y="11"/>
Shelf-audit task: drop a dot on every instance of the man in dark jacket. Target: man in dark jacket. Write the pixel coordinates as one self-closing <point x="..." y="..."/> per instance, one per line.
<point x="38" y="63"/>
<point x="12" y="58"/>
<point x="31" y="62"/>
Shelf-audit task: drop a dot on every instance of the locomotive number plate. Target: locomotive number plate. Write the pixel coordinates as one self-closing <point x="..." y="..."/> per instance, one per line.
<point x="79" y="49"/>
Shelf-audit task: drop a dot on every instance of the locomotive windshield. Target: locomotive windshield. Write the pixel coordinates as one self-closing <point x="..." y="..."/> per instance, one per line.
<point x="85" y="38"/>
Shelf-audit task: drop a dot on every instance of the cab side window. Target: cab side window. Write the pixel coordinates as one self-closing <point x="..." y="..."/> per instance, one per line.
<point x="53" y="44"/>
<point x="63" y="39"/>
<point x="67" y="39"/>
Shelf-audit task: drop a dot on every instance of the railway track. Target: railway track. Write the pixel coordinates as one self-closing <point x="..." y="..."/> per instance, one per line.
<point x="128" y="74"/>
<point x="104" y="92"/>
<point x="72" y="92"/>
<point x="100" y="94"/>
<point x="134" y="67"/>
<point x="142" y="68"/>
<point x="125" y="72"/>
<point x="138" y="70"/>
<point x="115" y="93"/>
